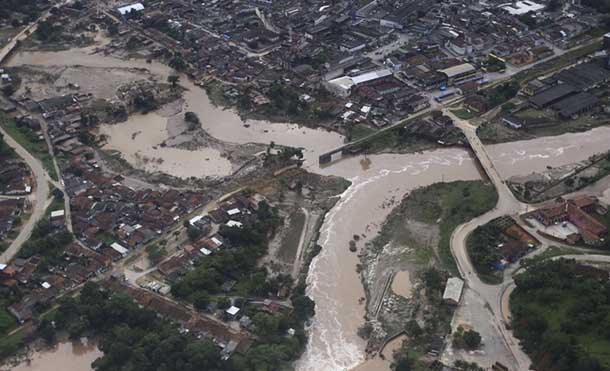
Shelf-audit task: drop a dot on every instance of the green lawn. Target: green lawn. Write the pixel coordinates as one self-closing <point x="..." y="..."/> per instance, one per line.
<point x="7" y="321"/>
<point x="360" y="131"/>
<point x="464" y="114"/>
<point x="30" y="141"/>
<point x="56" y="204"/>
<point x="9" y="345"/>
<point x="449" y="205"/>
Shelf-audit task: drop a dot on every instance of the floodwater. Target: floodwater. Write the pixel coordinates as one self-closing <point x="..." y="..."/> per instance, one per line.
<point x="333" y="282"/>
<point x="139" y="141"/>
<point x="401" y="284"/>
<point x="66" y="356"/>
<point x="527" y="156"/>
<point x="379" y="363"/>
<point x="223" y="124"/>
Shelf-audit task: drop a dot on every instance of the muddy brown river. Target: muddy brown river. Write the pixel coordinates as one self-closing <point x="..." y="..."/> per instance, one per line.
<point x="333" y="282"/>
<point x="66" y="356"/>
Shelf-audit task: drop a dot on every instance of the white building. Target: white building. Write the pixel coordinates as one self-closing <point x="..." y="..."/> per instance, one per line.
<point x="135" y="7"/>
<point x="523" y="7"/>
<point x="453" y="291"/>
<point x="120" y="249"/>
<point x="343" y="85"/>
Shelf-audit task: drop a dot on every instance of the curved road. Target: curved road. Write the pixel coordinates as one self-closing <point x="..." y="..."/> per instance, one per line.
<point x="38" y="198"/>
<point x="507" y="204"/>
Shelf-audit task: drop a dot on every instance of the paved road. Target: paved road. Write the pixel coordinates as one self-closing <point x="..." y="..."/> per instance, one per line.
<point x="491" y="295"/>
<point x="38" y="198"/>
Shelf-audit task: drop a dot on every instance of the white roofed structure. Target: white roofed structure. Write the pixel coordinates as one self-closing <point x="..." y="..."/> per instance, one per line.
<point x="453" y="290"/>
<point x="233" y="310"/>
<point x="343" y="85"/>
<point x="135" y="7"/>
<point x="120" y="249"/>
<point x="523" y="7"/>
<point x="57" y="214"/>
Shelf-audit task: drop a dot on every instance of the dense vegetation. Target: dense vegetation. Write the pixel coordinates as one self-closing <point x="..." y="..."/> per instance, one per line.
<point x="602" y="6"/>
<point x="502" y="93"/>
<point x="561" y="315"/>
<point x="483" y="251"/>
<point x="133" y="338"/>
<point x="28" y="9"/>
<point x="46" y="242"/>
<point x="130" y="337"/>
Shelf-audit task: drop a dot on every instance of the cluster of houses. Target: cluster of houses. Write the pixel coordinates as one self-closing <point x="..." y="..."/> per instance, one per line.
<point x="233" y="213"/>
<point x="40" y="287"/>
<point x="370" y="55"/>
<point x="576" y="220"/>
<point x="112" y="218"/>
<point x="230" y="340"/>
<point x="10" y="212"/>
<point x="15" y="178"/>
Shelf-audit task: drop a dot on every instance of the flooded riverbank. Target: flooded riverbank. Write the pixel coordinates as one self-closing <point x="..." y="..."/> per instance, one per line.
<point x="333" y="282"/>
<point x="139" y="140"/>
<point x="220" y="123"/>
<point x="525" y="157"/>
<point x="65" y="356"/>
<point x="378" y="181"/>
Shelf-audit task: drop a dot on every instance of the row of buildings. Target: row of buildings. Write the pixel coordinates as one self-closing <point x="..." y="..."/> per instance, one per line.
<point x="367" y="54"/>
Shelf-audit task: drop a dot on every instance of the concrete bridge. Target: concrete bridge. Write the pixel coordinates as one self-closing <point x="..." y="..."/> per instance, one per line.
<point x="330" y="156"/>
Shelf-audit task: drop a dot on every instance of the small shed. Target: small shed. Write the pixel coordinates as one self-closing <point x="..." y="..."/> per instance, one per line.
<point x="453" y="291"/>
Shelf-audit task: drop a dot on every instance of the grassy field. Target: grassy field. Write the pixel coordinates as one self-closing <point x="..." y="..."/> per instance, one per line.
<point x="9" y="345"/>
<point x="449" y="205"/>
<point x="360" y="131"/>
<point x="464" y="114"/>
<point x="29" y="141"/>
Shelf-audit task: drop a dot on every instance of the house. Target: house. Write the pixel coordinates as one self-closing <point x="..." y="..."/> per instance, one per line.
<point x="56" y="103"/>
<point x="232" y="312"/>
<point x="575" y="211"/>
<point x="174" y="266"/>
<point x="120" y="249"/>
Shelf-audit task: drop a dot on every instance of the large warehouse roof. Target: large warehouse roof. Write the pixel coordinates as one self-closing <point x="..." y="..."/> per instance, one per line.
<point x="136" y="7"/>
<point x="457" y="70"/>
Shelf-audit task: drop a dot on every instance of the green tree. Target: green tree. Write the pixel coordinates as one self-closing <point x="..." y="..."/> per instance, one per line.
<point x="266" y="325"/>
<point x="201" y="299"/>
<point x="173" y="80"/>
<point x="472" y="339"/>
